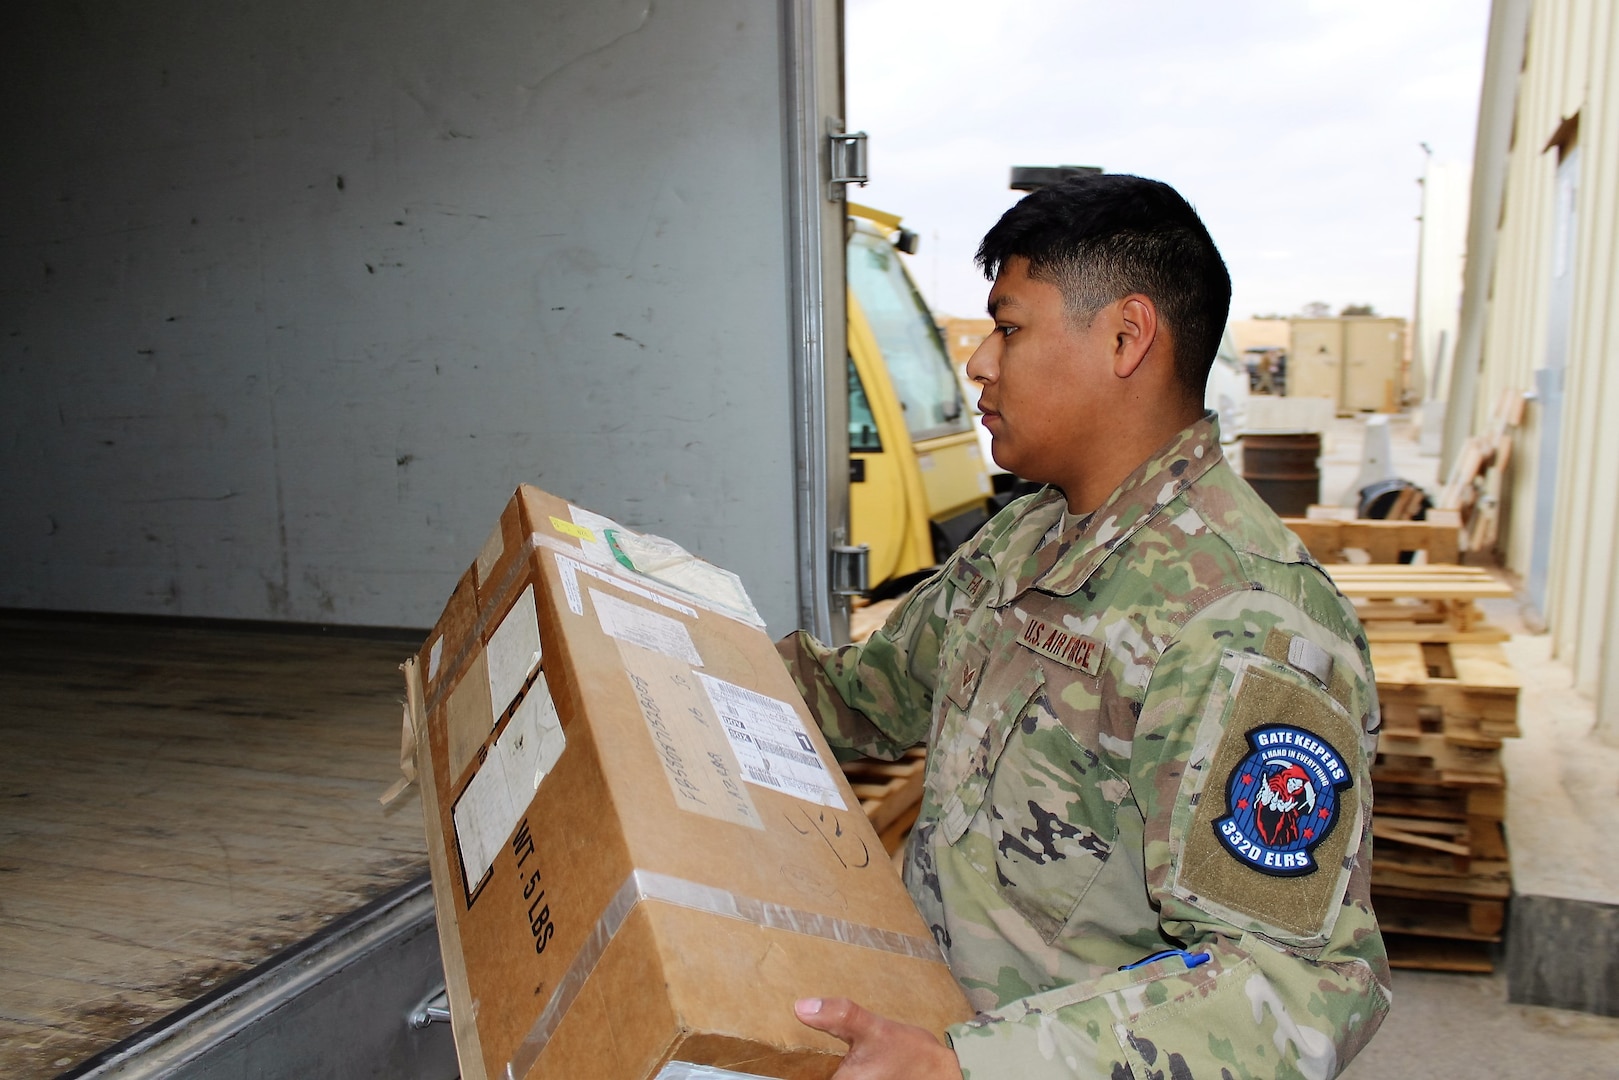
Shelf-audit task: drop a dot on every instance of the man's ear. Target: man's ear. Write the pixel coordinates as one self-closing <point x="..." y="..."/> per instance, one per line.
<point x="1137" y="330"/>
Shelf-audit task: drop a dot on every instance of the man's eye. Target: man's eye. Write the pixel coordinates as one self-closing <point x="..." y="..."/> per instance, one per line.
<point x="1005" y="331"/>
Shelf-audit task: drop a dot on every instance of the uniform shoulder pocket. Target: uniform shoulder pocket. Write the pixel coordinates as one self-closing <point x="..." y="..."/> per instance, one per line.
<point x="1278" y="780"/>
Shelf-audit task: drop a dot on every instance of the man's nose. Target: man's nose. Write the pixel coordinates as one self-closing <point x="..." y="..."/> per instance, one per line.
<point x="984" y="364"/>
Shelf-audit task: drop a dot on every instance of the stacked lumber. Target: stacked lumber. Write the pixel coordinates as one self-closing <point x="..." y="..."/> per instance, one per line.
<point x="1477" y="481"/>
<point x="866" y="618"/>
<point x="890" y="792"/>
<point x="1421" y="602"/>
<point x="1440" y="872"/>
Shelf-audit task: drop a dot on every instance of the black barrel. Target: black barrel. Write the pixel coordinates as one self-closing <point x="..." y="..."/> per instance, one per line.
<point x="1284" y="468"/>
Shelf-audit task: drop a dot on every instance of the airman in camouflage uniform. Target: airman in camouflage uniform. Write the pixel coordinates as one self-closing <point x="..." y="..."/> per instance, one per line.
<point x="1150" y="730"/>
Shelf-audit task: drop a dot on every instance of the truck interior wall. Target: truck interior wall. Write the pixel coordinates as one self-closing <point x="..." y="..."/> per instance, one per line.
<point x="295" y="293"/>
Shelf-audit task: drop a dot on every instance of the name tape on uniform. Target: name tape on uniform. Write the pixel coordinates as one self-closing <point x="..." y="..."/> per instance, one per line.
<point x="1064" y="646"/>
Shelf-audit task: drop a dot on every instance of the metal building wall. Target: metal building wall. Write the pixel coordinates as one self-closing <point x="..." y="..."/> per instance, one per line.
<point x="1569" y="69"/>
<point x="294" y="294"/>
<point x="1441" y="247"/>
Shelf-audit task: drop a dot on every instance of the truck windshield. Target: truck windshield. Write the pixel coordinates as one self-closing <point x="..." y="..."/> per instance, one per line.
<point x="912" y="352"/>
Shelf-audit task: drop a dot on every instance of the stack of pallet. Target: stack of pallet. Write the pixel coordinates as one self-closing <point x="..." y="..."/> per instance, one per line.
<point x="890" y="793"/>
<point x="1335" y="535"/>
<point x="1440" y="875"/>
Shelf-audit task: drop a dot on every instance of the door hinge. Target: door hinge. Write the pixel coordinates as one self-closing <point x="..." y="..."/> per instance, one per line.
<point x="434" y="1008"/>
<point x="846" y="154"/>
<point x="851" y="570"/>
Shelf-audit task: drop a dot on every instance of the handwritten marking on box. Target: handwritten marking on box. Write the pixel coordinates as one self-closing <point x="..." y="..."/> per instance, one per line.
<point x="568" y="528"/>
<point x="698" y="760"/>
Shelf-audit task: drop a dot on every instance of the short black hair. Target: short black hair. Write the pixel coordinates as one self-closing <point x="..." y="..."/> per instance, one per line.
<point x="1100" y="237"/>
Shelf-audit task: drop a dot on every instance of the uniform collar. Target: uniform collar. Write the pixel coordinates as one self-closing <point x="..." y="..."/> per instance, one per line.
<point x="1061" y="567"/>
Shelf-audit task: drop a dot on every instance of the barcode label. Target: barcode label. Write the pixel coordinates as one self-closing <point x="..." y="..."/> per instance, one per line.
<point x="772" y="745"/>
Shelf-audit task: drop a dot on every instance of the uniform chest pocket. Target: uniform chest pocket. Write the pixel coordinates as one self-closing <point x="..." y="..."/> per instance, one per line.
<point x="1053" y="818"/>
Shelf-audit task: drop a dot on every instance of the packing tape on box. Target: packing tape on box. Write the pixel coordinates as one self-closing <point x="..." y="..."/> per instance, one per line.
<point x="491" y="610"/>
<point x="647" y="885"/>
<point x="517" y="575"/>
<point x="685" y="1070"/>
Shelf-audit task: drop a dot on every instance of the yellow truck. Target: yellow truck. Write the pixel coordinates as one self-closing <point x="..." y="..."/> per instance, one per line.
<point x="918" y="482"/>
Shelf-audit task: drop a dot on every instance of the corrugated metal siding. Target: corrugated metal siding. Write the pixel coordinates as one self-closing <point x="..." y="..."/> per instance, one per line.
<point x="1515" y="328"/>
<point x="1594" y="385"/>
<point x="1572" y="50"/>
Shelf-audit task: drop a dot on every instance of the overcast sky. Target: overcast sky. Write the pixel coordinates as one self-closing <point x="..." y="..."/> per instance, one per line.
<point x="1292" y="125"/>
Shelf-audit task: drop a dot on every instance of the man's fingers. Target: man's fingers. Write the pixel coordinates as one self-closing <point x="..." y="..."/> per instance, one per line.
<point x="838" y="1017"/>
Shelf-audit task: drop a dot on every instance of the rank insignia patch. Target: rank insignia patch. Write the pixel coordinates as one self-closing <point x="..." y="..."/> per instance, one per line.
<point x="1282" y="799"/>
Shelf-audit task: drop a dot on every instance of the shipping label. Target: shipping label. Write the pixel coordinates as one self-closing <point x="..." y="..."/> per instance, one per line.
<point x="500" y="791"/>
<point x="513" y="651"/>
<point x="637" y="625"/>
<point x="771" y="743"/>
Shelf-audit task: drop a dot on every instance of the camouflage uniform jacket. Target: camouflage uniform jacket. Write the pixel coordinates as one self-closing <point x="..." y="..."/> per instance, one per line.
<point x="1150" y="732"/>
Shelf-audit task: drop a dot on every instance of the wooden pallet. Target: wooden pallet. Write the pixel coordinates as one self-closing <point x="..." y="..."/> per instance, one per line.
<point x="1436" y="923"/>
<point x="1421" y="848"/>
<point x="1467" y="692"/>
<point x="1380" y="541"/>
<point x="1476" y="889"/>
<point x="1433" y="801"/>
<point x="1412" y="952"/>
<point x="1460" y="907"/>
<point x="1434" y="603"/>
<point x="1471" y="837"/>
<point x="890" y="792"/>
<point x="1434" y="759"/>
<point x="1478" y="479"/>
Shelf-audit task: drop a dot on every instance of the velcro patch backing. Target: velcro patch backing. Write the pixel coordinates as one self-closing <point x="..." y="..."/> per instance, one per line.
<point x="1284" y="736"/>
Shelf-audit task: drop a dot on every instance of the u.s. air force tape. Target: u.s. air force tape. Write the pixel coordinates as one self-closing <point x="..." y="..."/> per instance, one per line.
<point x="646" y="885"/>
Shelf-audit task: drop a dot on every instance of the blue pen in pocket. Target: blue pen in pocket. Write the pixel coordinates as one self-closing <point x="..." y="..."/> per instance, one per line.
<point x="1192" y="959"/>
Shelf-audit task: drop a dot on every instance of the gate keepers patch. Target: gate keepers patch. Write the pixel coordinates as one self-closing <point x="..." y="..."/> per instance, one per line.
<point x="1064" y="646"/>
<point x="1282" y="800"/>
<point x="1276" y="807"/>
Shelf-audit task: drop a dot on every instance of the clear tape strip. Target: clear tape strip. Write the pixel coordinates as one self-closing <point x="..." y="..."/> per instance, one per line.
<point x="685" y="1070"/>
<point x="616" y="574"/>
<point x="506" y="587"/>
<point x="504" y="590"/>
<point x="648" y="885"/>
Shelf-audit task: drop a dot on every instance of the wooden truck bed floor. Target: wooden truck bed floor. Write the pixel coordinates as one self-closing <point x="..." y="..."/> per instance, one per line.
<point x="178" y="804"/>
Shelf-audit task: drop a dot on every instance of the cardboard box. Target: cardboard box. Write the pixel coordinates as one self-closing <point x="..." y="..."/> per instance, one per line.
<point x="665" y="890"/>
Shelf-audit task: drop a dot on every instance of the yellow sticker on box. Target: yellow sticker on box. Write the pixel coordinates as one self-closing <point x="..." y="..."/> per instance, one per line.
<point x="570" y="529"/>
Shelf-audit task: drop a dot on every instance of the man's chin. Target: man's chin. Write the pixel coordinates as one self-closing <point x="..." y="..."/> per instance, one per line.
<point x="1002" y="456"/>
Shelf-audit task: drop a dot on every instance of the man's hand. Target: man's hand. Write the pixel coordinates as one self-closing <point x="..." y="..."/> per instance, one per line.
<point x="879" y="1048"/>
